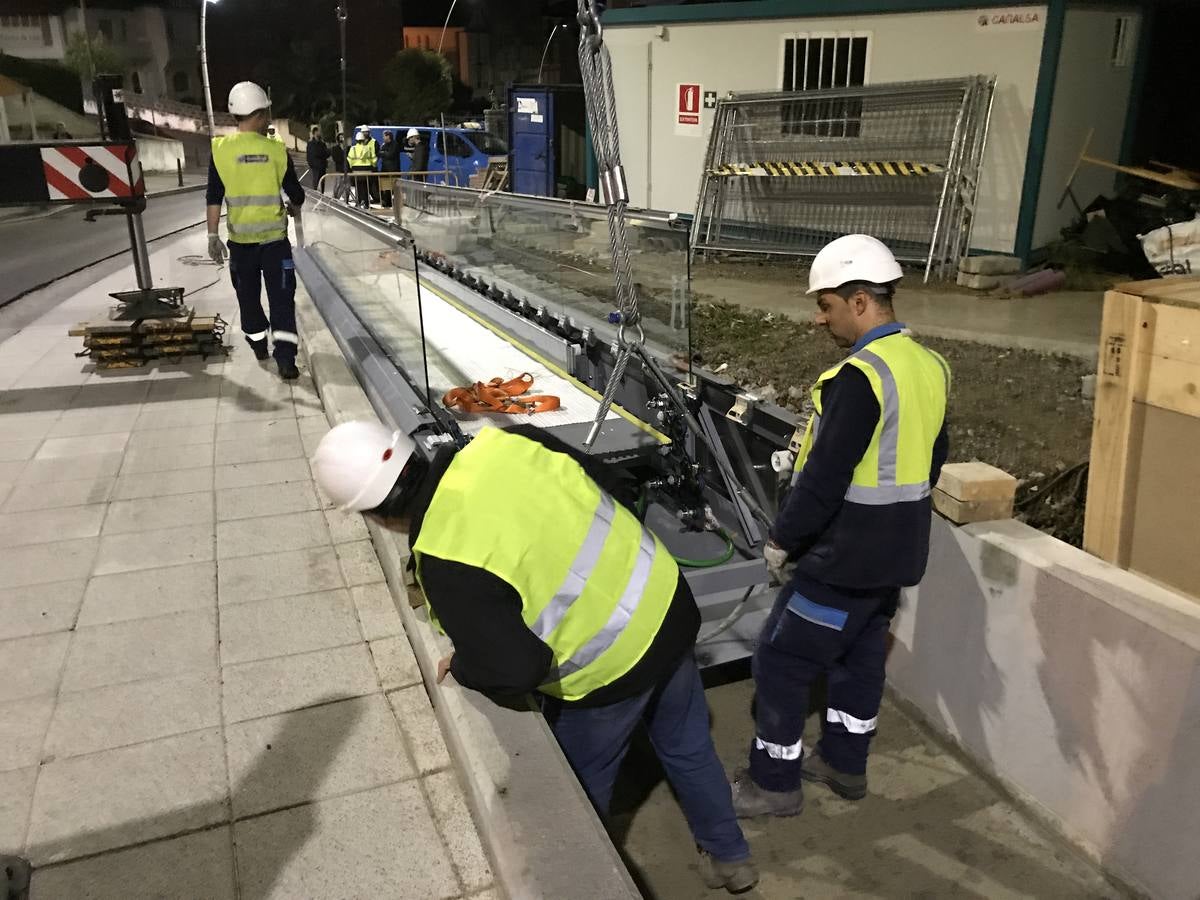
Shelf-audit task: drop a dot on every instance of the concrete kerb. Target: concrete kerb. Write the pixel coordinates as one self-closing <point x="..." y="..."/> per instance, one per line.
<point x="541" y="834"/>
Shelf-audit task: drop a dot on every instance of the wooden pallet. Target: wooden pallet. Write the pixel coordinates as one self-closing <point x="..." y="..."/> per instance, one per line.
<point x="125" y="345"/>
<point x="1144" y="479"/>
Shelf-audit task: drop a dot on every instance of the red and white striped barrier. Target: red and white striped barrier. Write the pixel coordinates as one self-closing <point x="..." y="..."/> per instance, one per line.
<point x="93" y="172"/>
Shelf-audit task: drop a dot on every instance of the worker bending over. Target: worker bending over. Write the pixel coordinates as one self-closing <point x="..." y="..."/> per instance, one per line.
<point x="560" y="590"/>
<point x="856" y="524"/>
<point x="248" y="171"/>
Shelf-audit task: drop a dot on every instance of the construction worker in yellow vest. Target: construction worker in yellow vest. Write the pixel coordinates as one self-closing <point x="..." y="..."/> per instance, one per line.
<point x="560" y="590"/>
<point x="855" y="526"/>
<point x="253" y="174"/>
<point x="361" y="158"/>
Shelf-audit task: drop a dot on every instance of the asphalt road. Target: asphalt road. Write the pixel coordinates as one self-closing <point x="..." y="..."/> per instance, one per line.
<point x="36" y="251"/>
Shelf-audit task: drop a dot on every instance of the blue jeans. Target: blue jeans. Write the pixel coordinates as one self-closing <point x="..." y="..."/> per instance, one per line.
<point x="817" y="630"/>
<point x="596" y="739"/>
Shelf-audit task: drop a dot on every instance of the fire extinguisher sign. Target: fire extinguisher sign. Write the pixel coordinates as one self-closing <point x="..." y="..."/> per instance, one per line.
<point x="688" y="98"/>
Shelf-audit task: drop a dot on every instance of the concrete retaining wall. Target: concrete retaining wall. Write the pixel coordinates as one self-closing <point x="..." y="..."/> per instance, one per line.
<point x="1076" y="683"/>
<point x="160" y="154"/>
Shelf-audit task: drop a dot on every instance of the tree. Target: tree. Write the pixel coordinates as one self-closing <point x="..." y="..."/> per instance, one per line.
<point x="104" y="59"/>
<point x="417" y="86"/>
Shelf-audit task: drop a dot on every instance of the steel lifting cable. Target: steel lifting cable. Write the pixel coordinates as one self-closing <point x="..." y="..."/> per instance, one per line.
<point x="596" y="68"/>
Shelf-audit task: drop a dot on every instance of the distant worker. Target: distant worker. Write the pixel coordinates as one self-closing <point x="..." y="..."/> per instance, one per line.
<point x="271" y="131"/>
<point x="60" y="132"/>
<point x="317" y="153"/>
<point x="565" y="593"/>
<point x="418" y="153"/>
<point x="389" y="161"/>
<point x="337" y="155"/>
<point x="856" y="524"/>
<point x="249" y="171"/>
<point x="361" y="158"/>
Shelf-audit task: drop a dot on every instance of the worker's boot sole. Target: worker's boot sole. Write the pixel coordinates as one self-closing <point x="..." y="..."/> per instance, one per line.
<point x="848" y="787"/>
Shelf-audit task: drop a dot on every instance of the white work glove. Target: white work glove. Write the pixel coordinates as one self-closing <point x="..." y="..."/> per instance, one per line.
<point x="777" y="562"/>
<point x="216" y="249"/>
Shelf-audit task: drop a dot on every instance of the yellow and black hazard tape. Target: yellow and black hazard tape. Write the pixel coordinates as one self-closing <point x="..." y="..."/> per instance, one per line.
<point x="814" y="169"/>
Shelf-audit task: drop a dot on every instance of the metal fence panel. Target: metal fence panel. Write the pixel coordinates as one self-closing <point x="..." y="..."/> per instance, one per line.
<point x="786" y="172"/>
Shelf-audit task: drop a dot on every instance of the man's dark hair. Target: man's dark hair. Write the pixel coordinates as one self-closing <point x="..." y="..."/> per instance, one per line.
<point x="883" y="293"/>
<point x="316" y="131"/>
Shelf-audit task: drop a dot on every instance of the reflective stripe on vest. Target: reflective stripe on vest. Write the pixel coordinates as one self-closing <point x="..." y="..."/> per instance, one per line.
<point x="899" y="442"/>
<point x="594" y="584"/>
<point x="251" y="168"/>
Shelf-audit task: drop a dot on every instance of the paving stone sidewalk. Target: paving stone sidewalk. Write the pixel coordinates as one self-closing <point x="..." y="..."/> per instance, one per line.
<point x="205" y="689"/>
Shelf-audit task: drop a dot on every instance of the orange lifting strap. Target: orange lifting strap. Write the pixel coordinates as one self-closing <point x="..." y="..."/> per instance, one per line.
<point x="499" y="396"/>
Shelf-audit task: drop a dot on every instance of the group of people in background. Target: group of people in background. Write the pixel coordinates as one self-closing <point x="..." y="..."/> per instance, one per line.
<point x="365" y="154"/>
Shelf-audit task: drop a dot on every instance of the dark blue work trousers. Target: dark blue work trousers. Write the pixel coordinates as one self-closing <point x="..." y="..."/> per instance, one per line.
<point x="251" y="266"/>
<point x="596" y="739"/>
<point x="817" y="630"/>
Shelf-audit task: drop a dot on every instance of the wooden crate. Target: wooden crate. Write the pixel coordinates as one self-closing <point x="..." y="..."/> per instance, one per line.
<point x="1143" y="503"/>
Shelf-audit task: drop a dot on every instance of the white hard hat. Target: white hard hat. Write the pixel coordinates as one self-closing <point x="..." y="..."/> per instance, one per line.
<point x="363" y="134"/>
<point x="246" y="98"/>
<point x="358" y="463"/>
<point x="412" y="133"/>
<point x="853" y="257"/>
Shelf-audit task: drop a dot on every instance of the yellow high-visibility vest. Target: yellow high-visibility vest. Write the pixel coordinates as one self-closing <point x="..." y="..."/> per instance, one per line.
<point x="362" y="154"/>
<point x="595" y="585"/>
<point x="911" y="384"/>
<point x="252" y="167"/>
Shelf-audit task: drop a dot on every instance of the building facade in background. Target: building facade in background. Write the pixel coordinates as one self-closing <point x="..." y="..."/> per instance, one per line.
<point x="159" y="43"/>
<point x="1063" y="69"/>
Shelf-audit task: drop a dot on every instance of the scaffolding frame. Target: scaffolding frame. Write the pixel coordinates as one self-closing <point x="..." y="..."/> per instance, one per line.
<point x="787" y="171"/>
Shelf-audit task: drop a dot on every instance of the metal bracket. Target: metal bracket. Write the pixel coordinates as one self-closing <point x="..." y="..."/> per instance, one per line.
<point x="743" y="407"/>
<point x="796" y="441"/>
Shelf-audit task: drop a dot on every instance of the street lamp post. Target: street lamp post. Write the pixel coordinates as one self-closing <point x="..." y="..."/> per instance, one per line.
<point x="212" y="125"/>
<point x="553" y="31"/>
<point x="342" y="15"/>
<point x="449" y="13"/>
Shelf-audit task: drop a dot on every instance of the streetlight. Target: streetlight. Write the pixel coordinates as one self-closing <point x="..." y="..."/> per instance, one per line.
<point x="449" y="13"/>
<point x="212" y="125"/>
<point x="553" y="31"/>
<point x="342" y="15"/>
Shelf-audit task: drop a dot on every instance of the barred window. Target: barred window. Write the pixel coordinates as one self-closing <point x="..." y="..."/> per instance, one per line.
<point x="813" y="62"/>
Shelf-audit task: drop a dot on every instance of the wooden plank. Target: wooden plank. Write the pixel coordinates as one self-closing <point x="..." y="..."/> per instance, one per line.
<point x="1176" y="290"/>
<point x="1174" y="384"/>
<point x="1127" y="330"/>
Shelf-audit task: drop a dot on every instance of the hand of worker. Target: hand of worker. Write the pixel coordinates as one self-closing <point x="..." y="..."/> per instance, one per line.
<point x="444" y="667"/>
<point x="776" y="558"/>
<point x="293" y="211"/>
<point x="216" y="249"/>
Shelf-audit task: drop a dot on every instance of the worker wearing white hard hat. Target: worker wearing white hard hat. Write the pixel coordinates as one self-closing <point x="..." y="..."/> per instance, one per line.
<point x="852" y="531"/>
<point x="522" y="555"/>
<point x="361" y="158"/>
<point x="251" y="173"/>
<point x="418" y="153"/>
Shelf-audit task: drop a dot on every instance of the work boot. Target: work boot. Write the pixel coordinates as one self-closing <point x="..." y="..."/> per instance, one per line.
<point x="750" y="800"/>
<point x="848" y="787"/>
<point x="736" y="877"/>
<point x="259" y="348"/>
<point x="288" y="370"/>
